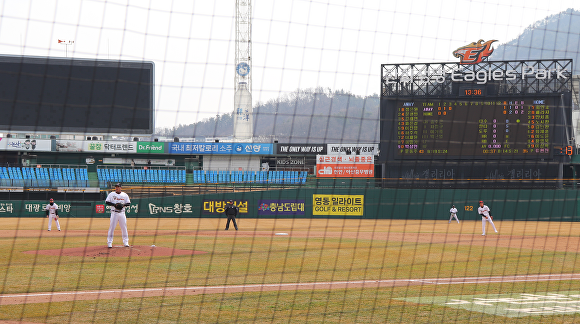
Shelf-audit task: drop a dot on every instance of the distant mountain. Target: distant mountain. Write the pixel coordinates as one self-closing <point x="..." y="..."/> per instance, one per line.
<point x="304" y="116"/>
<point x="554" y="37"/>
<point x="325" y="116"/>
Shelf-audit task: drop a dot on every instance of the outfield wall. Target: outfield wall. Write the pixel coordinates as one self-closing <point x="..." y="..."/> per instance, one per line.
<point x="546" y="205"/>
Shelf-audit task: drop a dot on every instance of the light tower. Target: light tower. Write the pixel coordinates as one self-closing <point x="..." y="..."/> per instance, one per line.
<point x="243" y="120"/>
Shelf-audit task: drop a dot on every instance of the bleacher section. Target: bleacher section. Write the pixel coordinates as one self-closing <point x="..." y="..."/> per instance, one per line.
<point x="154" y="176"/>
<point x="271" y="177"/>
<point x="53" y="177"/>
<point x="46" y="177"/>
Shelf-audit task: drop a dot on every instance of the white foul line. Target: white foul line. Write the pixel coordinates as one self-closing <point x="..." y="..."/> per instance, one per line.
<point x="306" y="285"/>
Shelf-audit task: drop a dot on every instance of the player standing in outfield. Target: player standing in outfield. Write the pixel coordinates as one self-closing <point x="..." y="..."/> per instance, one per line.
<point x="453" y="212"/>
<point x="52" y="213"/>
<point x="483" y="210"/>
<point x="118" y="200"/>
<point x="231" y="212"/>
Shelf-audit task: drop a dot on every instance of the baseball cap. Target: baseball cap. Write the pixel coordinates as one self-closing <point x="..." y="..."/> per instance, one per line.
<point x="118" y="185"/>
<point x="230" y="201"/>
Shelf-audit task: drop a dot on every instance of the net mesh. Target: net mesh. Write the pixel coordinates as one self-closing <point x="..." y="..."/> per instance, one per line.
<point x="289" y="161"/>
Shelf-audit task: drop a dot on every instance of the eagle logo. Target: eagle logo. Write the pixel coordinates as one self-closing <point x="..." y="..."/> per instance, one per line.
<point x="475" y="52"/>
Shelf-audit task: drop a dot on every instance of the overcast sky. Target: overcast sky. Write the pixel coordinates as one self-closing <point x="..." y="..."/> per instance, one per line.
<point x="297" y="44"/>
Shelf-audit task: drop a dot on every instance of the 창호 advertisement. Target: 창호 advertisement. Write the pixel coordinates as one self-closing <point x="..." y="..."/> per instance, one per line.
<point x="338" y="205"/>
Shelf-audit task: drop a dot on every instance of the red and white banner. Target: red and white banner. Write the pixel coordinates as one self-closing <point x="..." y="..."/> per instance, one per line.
<point x="345" y="166"/>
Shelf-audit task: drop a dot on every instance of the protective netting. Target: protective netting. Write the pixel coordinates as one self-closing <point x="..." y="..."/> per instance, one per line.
<point x="289" y="161"/>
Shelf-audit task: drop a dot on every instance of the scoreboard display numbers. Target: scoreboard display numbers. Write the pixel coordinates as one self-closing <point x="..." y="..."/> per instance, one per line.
<point x="454" y="112"/>
<point x="474" y="127"/>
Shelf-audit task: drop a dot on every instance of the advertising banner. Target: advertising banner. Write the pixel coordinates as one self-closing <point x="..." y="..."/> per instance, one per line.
<point x="11" y="189"/>
<point x="28" y="145"/>
<point x="38" y="207"/>
<point x="78" y="189"/>
<point x="151" y="147"/>
<point x="277" y="207"/>
<point x="110" y="147"/>
<point x="218" y="207"/>
<point x="221" y="148"/>
<point x="338" y="205"/>
<point x="345" y="166"/>
<point x="354" y="149"/>
<point x="176" y="209"/>
<point x="96" y="146"/>
<point x="100" y="209"/>
<point x="302" y="149"/>
<point x="131" y="210"/>
<point x="69" y="146"/>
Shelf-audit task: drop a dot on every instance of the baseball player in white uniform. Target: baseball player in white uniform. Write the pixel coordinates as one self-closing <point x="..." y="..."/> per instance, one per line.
<point x="453" y="212"/>
<point x="118" y="200"/>
<point x="483" y="210"/>
<point x="52" y="213"/>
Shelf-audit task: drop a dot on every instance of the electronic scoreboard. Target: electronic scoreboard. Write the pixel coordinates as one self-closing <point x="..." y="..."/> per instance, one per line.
<point x="474" y="127"/>
<point x="513" y="110"/>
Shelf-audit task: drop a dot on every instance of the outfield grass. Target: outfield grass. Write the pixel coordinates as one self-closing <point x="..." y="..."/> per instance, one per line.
<point x="314" y="251"/>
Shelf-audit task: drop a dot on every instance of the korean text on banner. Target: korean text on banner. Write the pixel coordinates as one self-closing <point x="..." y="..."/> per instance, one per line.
<point x="338" y="205"/>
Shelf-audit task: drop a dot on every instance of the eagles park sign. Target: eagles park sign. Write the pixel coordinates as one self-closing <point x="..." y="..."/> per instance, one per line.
<point x="474" y="67"/>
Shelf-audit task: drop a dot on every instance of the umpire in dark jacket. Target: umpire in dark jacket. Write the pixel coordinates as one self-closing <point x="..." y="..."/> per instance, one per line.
<point x="231" y="212"/>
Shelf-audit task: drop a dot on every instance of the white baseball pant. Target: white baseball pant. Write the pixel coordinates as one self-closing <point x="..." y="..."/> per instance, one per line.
<point x="120" y="218"/>
<point x="50" y="218"/>
<point x="483" y="223"/>
<point x="453" y="215"/>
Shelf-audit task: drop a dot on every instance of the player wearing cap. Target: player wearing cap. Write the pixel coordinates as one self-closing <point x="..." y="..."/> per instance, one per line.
<point x="453" y="212"/>
<point x="231" y="212"/>
<point x="52" y="213"/>
<point x="484" y="211"/>
<point x="118" y="200"/>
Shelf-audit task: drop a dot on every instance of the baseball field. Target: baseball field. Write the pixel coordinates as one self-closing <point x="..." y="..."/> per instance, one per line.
<point x="289" y="271"/>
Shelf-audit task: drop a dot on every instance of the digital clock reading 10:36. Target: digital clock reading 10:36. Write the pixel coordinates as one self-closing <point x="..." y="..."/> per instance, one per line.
<point x="471" y="91"/>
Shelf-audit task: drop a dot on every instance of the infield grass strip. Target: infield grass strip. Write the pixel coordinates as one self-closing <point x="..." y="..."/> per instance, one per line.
<point x="245" y="260"/>
<point x="333" y="306"/>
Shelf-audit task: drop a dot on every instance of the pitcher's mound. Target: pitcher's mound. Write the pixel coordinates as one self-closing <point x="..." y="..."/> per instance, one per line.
<point x="117" y="251"/>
